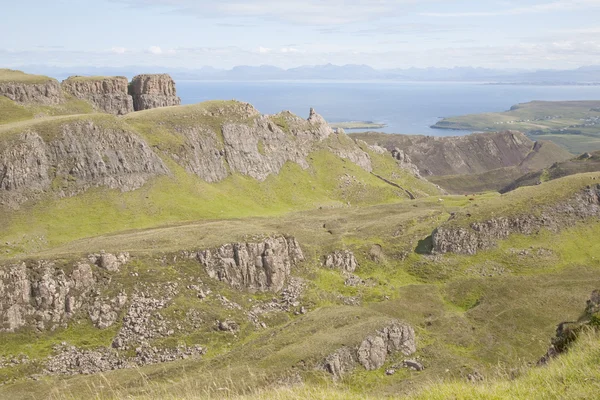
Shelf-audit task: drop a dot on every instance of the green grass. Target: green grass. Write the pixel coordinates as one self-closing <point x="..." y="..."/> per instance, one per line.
<point x="11" y="75"/>
<point x="529" y="200"/>
<point x="13" y="112"/>
<point x="560" y="122"/>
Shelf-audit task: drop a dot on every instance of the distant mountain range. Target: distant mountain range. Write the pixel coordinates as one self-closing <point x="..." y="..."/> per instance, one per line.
<point x="352" y="72"/>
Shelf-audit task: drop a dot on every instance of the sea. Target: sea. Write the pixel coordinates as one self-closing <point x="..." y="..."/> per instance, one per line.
<point x="405" y="108"/>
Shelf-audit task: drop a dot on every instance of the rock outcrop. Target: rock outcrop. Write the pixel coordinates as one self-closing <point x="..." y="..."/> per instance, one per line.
<point x="259" y="266"/>
<point x="40" y="295"/>
<point x="373" y="350"/>
<point x="483" y="235"/>
<point x="34" y="162"/>
<point x="152" y="91"/>
<point x="106" y="94"/>
<point x="469" y="154"/>
<point x="68" y="155"/>
<point x="342" y="260"/>
<point x="567" y="332"/>
<point x="30" y="89"/>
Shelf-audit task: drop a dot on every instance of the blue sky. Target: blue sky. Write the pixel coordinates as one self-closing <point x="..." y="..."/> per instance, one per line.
<point x="288" y="33"/>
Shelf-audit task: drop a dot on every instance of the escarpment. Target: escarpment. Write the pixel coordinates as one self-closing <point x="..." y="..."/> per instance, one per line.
<point x="106" y="94"/>
<point x="69" y="155"/>
<point x="482" y="235"/>
<point x="79" y="155"/>
<point x="152" y="91"/>
<point x="30" y="89"/>
<point x="470" y="154"/>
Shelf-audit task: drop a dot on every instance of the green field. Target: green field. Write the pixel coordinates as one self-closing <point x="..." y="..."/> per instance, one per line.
<point x="574" y="125"/>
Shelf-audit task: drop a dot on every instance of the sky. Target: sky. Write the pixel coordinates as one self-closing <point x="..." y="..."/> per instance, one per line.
<point x="532" y="34"/>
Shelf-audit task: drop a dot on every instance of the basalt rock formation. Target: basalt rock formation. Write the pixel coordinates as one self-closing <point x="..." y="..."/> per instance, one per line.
<point x="373" y="351"/>
<point x="30" y="89"/>
<point x="152" y="91"/>
<point x="34" y="161"/>
<point x="106" y="94"/>
<point x="76" y="153"/>
<point x="484" y="235"/>
<point x="469" y="154"/>
<point x="342" y="260"/>
<point x="260" y="266"/>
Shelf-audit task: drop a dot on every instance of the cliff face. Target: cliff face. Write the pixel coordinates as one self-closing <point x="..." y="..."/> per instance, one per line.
<point x="152" y="91"/>
<point x="484" y="235"/>
<point x="46" y="93"/>
<point x="82" y="154"/>
<point x="470" y="154"/>
<point x="71" y="154"/>
<point x="106" y="94"/>
<point x="262" y="266"/>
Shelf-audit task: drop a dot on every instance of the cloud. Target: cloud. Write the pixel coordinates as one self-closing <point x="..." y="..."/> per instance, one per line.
<point x="155" y="50"/>
<point x="304" y="12"/>
<point x="118" y="50"/>
<point x="264" y="50"/>
<point x="289" y="50"/>
<point x="561" y="5"/>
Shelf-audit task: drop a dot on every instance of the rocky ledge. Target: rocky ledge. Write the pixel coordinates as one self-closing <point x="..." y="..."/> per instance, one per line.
<point x="152" y="91"/>
<point x="106" y="94"/>
<point x="484" y="235"/>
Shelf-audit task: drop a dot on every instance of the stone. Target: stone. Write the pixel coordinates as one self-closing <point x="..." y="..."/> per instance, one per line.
<point x="256" y="266"/>
<point x="413" y="364"/>
<point x="46" y="93"/>
<point x="82" y="154"/>
<point x="340" y="362"/>
<point x="40" y="296"/>
<point x="372" y="352"/>
<point x="376" y="253"/>
<point x="152" y="91"/>
<point x="106" y="94"/>
<point x="482" y="235"/>
<point x="343" y="260"/>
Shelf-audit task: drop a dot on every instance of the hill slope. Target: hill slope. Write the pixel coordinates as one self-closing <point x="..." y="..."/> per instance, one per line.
<point x="587" y="162"/>
<point x="471" y="163"/>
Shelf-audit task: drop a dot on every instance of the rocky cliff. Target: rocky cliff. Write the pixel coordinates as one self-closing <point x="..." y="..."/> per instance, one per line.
<point x="470" y="154"/>
<point x="68" y="155"/>
<point x="106" y="94"/>
<point x="152" y="91"/>
<point x="73" y="156"/>
<point x="29" y="89"/>
<point x="261" y="266"/>
<point x="481" y="235"/>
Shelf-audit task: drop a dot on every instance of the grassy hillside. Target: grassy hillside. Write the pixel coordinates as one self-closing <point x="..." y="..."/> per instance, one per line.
<point x="571" y="124"/>
<point x="489" y="314"/>
<point x="11" y="75"/>
<point x="582" y="164"/>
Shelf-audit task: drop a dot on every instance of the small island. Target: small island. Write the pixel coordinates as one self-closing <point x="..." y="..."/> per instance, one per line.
<point x="357" y="125"/>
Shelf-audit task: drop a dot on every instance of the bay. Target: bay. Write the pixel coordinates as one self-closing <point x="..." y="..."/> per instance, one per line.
<point x="406" y="108"/>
